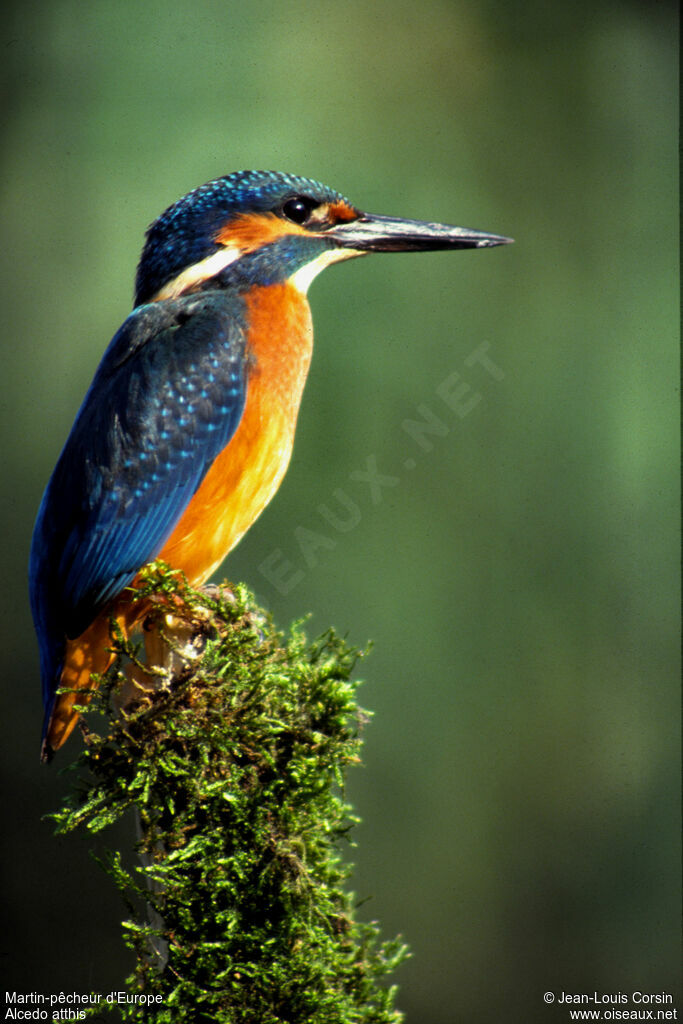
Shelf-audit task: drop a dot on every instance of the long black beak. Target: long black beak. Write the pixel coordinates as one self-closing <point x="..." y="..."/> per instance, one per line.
<point x="373" y="233"/>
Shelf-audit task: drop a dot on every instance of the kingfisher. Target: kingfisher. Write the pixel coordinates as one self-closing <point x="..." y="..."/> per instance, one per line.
<point x="187" y="428"/>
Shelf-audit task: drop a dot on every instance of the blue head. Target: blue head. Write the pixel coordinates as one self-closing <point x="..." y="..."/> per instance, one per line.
<point x="262" y="208"/>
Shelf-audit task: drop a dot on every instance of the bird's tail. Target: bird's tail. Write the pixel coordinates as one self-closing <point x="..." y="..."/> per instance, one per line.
<point x="87" y="654"/>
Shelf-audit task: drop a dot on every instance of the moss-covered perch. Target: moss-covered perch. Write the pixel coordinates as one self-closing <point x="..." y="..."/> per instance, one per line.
<point x="236" y="769"/>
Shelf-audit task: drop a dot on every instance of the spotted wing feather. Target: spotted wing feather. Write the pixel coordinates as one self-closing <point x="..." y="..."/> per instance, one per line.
<point x="166" y="399"/>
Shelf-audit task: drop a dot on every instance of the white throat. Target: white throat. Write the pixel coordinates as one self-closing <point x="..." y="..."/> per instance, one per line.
<point x="301" y="278"/>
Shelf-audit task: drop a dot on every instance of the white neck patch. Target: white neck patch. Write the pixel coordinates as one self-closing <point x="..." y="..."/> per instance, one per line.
<point x="198" y="272"/>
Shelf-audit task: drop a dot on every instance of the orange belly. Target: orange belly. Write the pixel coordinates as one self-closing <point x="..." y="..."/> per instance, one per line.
<point x="234" y="492"/>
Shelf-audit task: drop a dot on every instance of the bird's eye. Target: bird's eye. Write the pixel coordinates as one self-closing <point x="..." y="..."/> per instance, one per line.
<point x="299" y="209"/>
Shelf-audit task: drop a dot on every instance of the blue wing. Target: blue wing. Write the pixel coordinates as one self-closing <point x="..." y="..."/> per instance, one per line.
<point x="166" y="399"/>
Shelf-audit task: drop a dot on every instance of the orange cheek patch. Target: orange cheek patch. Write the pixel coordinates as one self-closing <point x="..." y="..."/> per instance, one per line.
<point x="338" y="212"/>
<point x="252" y="231"/>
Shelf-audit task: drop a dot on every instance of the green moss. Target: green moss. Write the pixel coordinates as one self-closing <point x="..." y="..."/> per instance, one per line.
<point x="236" y="768"/>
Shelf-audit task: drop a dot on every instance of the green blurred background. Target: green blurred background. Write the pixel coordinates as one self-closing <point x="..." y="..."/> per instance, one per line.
<point x="520" y="787"/>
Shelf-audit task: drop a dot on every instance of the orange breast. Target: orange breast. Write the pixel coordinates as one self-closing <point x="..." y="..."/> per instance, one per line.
<point x="246" y="474"/>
